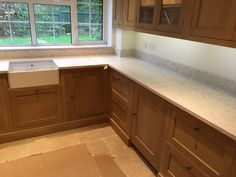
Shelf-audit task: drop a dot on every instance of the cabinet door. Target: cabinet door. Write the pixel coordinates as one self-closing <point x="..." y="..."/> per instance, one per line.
<point x="208" y="145"/>
<point x="84" y="93"/>
<point x="148" y="124"/>
<point x="4" y="105"/>
<point x="130" y="7"/>
<point x="35" y="107"/>
<point x="214" y="18"/>
<point x="117" y="12"/>
<point x="175" y="164"/>
<point x="146" y="13"/>
<point x="171" y="15"/>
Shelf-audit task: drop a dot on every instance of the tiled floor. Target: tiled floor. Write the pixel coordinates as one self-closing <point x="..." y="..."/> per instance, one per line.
<point x="100" y="139"/>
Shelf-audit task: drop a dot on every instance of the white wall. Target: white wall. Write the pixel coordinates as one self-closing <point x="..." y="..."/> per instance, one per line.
<point x="211" y="58"/>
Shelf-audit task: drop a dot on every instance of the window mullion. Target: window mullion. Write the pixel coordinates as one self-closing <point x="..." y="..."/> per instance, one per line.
<point x="74" y="23"/>
<point x="32" y="23"/>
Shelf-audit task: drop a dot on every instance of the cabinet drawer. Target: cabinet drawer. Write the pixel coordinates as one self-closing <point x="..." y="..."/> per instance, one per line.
<point x="122" y="86"/>
<point x="176" y="164"/>
<point x="35" y="107"/>
<point x="202" y="141"/>
<point x="121" y="115"/>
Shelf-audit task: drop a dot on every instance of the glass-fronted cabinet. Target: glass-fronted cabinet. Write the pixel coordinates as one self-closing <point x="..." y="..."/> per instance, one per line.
<point x="146" y="13"/>
<point x="170" y="15"/>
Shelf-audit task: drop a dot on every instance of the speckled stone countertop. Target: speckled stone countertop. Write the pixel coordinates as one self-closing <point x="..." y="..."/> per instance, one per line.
<point x="214" y="107"/>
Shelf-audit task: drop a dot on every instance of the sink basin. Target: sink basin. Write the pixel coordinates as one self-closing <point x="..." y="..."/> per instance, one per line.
<point x="32" y="73"/>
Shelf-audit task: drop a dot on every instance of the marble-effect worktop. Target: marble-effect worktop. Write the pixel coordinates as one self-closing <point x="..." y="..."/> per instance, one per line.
<point x="214" y="107"/>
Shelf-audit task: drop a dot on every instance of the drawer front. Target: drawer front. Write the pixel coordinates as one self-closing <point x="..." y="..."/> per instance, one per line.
<point x="121" y="115"/>
<point x="122" y="86"/>
<point x="175" y="164"/>
<point x="35" y="107"/>
<point x="202" y="141"/>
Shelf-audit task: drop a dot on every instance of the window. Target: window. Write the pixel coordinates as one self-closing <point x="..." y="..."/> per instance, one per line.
<point x="90" y="20"/>
<point x="51" y="22"/>
<point x="14" y="24"/>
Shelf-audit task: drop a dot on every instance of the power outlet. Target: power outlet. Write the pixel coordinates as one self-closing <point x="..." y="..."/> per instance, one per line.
<point x="152" y="47"/>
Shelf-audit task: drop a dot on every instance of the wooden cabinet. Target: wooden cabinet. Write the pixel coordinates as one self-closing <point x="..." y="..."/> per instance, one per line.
<point x="35" y="107"/>
<point x="148" y="124"/>
<point x="118" y="6"/>
<point x="214" y="19"/>
<point x="146" y="13"/>
<point x="233" y="169"/>
<point x="176" y="164"/>
<point x="4" y="105"/>
<point x="84" y="93"/>
<point x="170" y="15"/>
<point x="130" y="8"/>
<point x="211" y="151"/>
<point x="121" y="105"/>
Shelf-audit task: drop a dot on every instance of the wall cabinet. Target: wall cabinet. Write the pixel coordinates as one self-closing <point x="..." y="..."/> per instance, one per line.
<point x="35" y="107"/>
<point x="121" y="105"/>
<point x="129" y="18"/>
<point x="170" y="15"/>
<point x="4" y="105"/>
<point x="198" y="20"/>
<point x="117" y="12"/>
<point x="84" y="93"/>
<point x="146" y="14"/>
<point x="214" y="19"/>
<point x="148" y="125"/>
<point x="205" y="148"/>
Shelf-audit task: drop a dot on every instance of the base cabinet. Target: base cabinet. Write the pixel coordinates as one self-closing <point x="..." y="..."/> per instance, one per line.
<point x="84" y="93"/>
<point x="121" y="102"/>
<point x="209" y="153"/>
<point x="4" y="105"/>
<point x="148" y="126"/>
<point x="35" y="107"/>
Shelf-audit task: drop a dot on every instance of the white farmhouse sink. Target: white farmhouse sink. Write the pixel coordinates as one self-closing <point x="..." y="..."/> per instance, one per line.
<point x="32" y="73"/>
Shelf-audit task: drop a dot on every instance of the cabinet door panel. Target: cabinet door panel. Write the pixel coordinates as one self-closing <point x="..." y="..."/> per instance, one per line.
<point x="4" y="105"/>
<point x="35" y="107"/>
<point x="202" y="141"/>
<point x="117" y="12"/>
<point x="130" y="7"/>
<point x="84" y="93"/>
<point x="171" y="15"/>
<point x="214" y="18"/>
<point x="175" y="164"/>
<point x="148" y="124"/>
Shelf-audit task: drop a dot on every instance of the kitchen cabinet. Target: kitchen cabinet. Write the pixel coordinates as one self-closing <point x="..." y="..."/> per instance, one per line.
<point x="121" y="105"/>
<point x="84" y="93"/>
<point x="130" y="8"/>
<point x="209" y="150"/>
<point x="214" y="19"/>
<point x="146" y="14"/>
<point x="170" y="15"/>
<point x="175" y="164"/>
<point x="148" y="126"/>
<point x="4" y="105"/>
<point x="35" y="107"/>
<point x="117" y="12"/>
<point x="233" y="171"/>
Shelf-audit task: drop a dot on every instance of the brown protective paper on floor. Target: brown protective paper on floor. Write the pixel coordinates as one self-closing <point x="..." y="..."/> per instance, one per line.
<point x="72" y="161"/>
<point x="108" y="167"/>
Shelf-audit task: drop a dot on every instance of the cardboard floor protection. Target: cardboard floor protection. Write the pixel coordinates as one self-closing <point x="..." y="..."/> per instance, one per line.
<point x="72" y="161"/>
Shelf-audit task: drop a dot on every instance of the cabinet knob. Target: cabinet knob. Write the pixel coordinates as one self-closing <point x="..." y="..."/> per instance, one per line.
<point x="196" y="129"/>
<point x="189" y="167"/>
<point x="134" y="114"/>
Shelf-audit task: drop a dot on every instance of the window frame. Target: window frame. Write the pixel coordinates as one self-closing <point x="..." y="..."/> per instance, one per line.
<point x="74" y="24"/>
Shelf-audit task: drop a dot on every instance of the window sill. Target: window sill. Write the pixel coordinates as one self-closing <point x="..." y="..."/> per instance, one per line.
<point x="22" y="48"/>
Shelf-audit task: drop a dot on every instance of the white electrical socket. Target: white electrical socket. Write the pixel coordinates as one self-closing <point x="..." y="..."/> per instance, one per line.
<point x="152" y="47"/>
